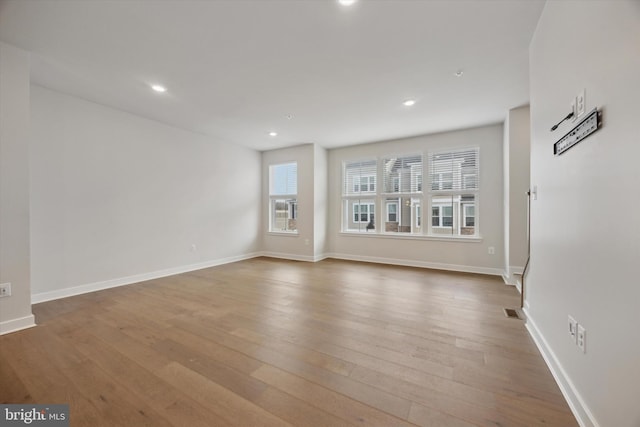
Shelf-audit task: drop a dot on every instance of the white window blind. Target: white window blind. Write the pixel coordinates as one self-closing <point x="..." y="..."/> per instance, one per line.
<point x="359" y="177"/>
<point x="283" y="179"/>
<point x="402" y="174"/>
<point x="454" y="187"/>
<point x="454" y="170"/>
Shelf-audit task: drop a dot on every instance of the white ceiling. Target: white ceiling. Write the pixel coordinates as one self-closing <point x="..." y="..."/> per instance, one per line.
<point x="235" y="69"/>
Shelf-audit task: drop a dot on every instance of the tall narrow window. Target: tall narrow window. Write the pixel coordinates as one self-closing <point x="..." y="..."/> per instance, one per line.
<point x="359" y="179"/>
<point x="283" y="198"/>
<point x="454" y="188"/>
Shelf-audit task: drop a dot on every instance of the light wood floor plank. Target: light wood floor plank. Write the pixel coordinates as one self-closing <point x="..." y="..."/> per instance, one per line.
<point x="268" y="342"/>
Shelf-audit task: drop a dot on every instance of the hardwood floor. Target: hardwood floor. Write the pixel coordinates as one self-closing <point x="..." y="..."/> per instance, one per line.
<point x="268" y="342"/>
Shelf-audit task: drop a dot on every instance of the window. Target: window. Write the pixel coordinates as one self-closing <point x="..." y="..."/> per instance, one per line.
<point x="364" y="184"/>
<point x="454" y="192"/>
<point x="360" y="215"/>
<point x="392" y="188"/>
<point x="416" y="179"/>
<point x="442" y="216"/>
<point x="442" y="181"/>
<point x="392" y="212"/>
<point x="359" y="177"/>
<point x="283" y="202"/>
<point x="363" y="212"/>
<point x="469" y="218"/>
<point x="402" y="184"/>
<point x="359" y="195"/>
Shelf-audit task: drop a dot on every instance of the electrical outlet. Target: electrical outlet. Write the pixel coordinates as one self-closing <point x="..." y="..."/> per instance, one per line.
<point x="574" y="109"/>
<point x="5" y="290"/>
<point x="194" y="247"/>
<point x="491" y="250"/>
<point x="573" y="329"/>
<point x="582" y="338"/>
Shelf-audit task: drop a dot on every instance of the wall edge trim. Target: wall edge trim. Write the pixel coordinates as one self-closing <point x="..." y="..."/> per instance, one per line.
<point x="128" y="280"/>
<point x="18" y="324"/>
<point x="420" y="264"/>
<point x="577" y="405"/>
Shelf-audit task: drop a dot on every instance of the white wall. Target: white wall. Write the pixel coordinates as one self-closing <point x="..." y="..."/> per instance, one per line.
<point x="15" y="311"/>
<point x="300" y="245"/>
<point x="321" y="200"/>
<point x="516" y="150"/>
<point x="454" y="254"/>
<point x="585" y="229"/>
<point x="117" y="198"/>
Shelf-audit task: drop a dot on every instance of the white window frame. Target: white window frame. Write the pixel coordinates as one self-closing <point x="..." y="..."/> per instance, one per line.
<point x="441" y="216"/>
<point x="396" y="213"/>
<point x="288" y="196"/>
<point x="465" y="215"/>
<point x="371" y="210"/>
<point x="359" y="184"/>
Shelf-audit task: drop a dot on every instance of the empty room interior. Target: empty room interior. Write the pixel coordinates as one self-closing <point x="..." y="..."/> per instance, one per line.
<point x="319" y="213"/>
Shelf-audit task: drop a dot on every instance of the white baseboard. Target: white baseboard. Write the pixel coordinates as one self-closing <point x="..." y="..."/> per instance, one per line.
<point x="113" y="283"/>
<point x="15" y="325"/>
<point x="509" y="276"/>
<point x="294" y="257"/>
<point x="580" y="410"/>
<point x="507" y="279"/>
<point x="516" y="269"/>
<point x="421" y="264"/>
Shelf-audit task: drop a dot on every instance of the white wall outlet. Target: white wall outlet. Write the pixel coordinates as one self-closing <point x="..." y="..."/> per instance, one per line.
<point x="491" y="250"/>
<point x="573" y="329"/>
<point x="582" y="338"/>
<point x="5" y="290"/>
<point x="194" y="247"/>
<point x="580" y="104"/>
<point x="534" y="193"/>
<point x="573" y="109"/>
<point x="306" y="242"/>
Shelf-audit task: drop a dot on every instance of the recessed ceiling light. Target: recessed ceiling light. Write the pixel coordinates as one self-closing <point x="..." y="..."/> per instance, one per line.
<point x="346" y="2"/>
<point x="159" y="88"/>
<point x="458" y="73"/>
<point x="273" y="133"/>
<point x="409" y="102"/>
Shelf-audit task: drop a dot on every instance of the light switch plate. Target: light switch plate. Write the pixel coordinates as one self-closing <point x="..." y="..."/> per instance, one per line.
<point x="573" y="329"/>
<point x="581" y="101"/>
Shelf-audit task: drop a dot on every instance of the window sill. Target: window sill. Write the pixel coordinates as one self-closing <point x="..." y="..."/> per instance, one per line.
<point x="284" y="233"/>
<point x="474" y="239"/>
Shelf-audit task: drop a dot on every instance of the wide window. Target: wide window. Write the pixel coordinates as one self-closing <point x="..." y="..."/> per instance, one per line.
<point x="453" y="192"/>
<point x="385" y="196"/>
<point x="283" y="198"/>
